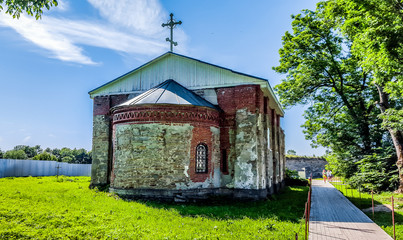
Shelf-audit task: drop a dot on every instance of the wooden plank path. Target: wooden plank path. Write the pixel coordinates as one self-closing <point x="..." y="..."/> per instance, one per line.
<point x="333" y="216"/>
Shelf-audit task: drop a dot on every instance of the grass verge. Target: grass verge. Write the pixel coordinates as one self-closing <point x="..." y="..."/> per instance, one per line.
<point x="47" y="208"/>
<point x="384" y="219"/>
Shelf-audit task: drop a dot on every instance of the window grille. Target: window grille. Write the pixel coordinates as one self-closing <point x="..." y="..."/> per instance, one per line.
<point x="201" y="158"/>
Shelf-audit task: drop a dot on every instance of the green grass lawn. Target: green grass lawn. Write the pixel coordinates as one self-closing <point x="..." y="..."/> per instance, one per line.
<point x="384" y="220"/>
<point x="46" y="208"/>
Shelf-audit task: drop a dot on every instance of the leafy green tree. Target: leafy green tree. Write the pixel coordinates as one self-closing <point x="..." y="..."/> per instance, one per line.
<point x="67" y="154"/>
<point x="291" y="152"/>
<point x="45" y="156"/>
<point x="375" y="28"/>
<point x="15" y="154"/>
<point x="29" y="151"/>
<point x="322" y="71"/>
<point x="68" y="159"/>
<point x="31" y="7"/>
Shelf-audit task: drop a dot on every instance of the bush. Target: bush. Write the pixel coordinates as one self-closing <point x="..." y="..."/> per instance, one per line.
<point x="292" y="178"/>
<point x="376" y="172"/>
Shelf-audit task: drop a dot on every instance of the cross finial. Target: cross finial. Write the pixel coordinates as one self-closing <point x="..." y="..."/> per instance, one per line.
<point x="171" y="25"/>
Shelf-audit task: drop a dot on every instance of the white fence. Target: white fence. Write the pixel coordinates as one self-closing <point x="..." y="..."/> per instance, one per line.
<point x="25" y="168"/>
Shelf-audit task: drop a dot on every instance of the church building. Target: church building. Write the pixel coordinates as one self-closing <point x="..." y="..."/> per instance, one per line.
<point x="178" y="128"/>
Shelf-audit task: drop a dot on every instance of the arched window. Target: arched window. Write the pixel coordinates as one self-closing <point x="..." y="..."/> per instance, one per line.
<point x="201" y="158"/>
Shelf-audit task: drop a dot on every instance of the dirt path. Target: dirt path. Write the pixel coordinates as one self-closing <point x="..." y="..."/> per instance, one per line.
<point x="333" y="216"/>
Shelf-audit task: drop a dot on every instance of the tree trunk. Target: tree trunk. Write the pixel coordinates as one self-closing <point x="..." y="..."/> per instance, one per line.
<point x="396" y="134"/>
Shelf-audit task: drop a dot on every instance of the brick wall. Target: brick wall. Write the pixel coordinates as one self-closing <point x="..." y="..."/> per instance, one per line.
<point x="200" y="135"/>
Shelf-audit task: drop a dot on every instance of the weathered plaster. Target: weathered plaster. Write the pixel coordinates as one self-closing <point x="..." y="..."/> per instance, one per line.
<point x="151" y="155"/>
<point x="246" y="174"/>
<point x="100" y="150"/>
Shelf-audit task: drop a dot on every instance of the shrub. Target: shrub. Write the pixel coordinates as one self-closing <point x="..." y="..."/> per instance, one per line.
<point x="292" y="178"/>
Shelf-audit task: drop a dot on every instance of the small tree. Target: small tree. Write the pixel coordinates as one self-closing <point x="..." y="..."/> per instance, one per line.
<point x="15" y="154"/>
<point x="29" y="151"/>
<point x="45" y="156"/>
<point x="291" y="152"/>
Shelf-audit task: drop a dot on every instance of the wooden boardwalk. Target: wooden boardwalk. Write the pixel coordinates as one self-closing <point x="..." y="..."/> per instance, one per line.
<point x="333" y="216"/>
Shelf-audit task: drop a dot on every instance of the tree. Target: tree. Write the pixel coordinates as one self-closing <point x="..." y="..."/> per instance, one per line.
<point x="375" y="29"/>
<point x="45" y="156"/>
<point x="31" y="7"/>
<point x="323" y="71"/>
<point x="15" y="154"/>
<point x="68" y="159"/>
<point x="29" y="151"/>
<point x="1" y="154"/>
<point x="291" y="152"/>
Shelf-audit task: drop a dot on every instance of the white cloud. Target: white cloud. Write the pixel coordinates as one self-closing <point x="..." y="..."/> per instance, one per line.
<point x="140" y="16"/>
<point x="38" y="33"/>
<point x="62" y="5"/>
<point x="131" y="27"/>
<point x="26" y="139"/>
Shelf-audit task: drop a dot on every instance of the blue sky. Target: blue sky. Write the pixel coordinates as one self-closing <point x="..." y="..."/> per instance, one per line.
<point x="48" y="66"/>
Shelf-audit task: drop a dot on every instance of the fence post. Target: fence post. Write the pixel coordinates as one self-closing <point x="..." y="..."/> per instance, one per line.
<point x="393" y="219"/>
<point x="352" y="194"/>
<point x="373" y="210"/>
<point x="306" y="217"/>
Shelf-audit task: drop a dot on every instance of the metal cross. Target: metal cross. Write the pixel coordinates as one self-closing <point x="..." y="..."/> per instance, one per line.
<point x="171" y="25"/>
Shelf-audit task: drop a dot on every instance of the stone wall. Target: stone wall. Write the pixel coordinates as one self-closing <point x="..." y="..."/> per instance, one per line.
<point x="100" y="150"/>
<point x="101" y="138"/>
<point x="307" y="166"/>
<point x="155" y="156"/>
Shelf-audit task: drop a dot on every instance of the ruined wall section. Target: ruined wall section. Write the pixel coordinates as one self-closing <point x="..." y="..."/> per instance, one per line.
<point x="268" y="149"/>
<point x="248" y="163"/>
<point x="282" y="154"/>
<point x="261" y="141"/>
<point x="244" y="131"/>
<point x="226" y="101"/>
<point x="101" y="138"/>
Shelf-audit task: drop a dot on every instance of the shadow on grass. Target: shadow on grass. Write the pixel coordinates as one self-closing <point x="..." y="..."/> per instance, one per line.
<point x="286" y="206"/>
<point x="385" y="218"/>
<point x="362" y="203"/>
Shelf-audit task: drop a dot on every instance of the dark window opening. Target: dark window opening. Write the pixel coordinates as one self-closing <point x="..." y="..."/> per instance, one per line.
<point x="224" y="166"/>
<point x="201" y="158"/>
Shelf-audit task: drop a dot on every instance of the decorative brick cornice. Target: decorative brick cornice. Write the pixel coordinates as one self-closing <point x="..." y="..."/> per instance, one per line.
<point x="167" y="113"/>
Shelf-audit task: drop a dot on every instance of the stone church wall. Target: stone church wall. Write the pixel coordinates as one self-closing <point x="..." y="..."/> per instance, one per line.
<point x="101" y="138"/>
<point x="246" y="117"/>
<point x="152" y="156"/>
